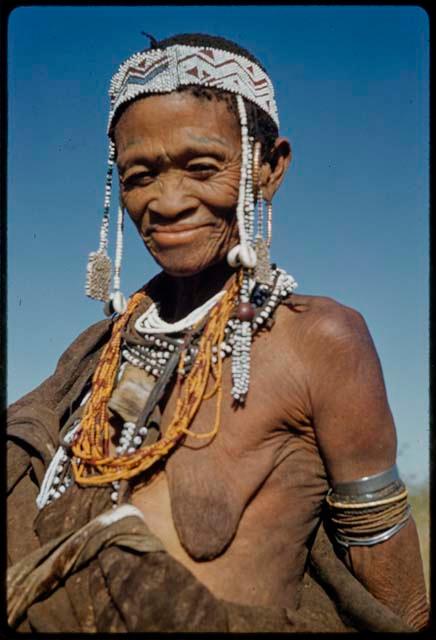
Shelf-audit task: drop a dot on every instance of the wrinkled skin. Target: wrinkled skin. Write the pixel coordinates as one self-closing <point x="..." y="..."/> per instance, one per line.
<point x="239" y="511"/>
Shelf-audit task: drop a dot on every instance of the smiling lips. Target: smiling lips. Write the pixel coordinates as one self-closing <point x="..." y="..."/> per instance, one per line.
<point x="175" y="234"/>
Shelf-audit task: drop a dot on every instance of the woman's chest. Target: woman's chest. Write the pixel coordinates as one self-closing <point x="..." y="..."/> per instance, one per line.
<point x="211" y="480"/>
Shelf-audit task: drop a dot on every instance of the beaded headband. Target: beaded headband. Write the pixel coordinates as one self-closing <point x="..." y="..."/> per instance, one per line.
<point x="158" y="71"/>
<point x="164" y="70"/>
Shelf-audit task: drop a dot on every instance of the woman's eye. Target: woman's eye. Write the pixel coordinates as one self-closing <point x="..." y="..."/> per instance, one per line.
<point x="202" y="169"/>
<point x="138" y="179"/>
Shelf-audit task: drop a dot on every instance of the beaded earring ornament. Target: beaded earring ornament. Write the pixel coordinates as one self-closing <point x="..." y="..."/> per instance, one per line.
<point x="99" y="268"/>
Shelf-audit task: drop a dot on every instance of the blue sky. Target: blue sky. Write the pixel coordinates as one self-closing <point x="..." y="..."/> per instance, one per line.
<point x="350" y="221"/>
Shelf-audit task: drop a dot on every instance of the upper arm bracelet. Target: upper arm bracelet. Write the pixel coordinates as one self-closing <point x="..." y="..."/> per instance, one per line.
<point x="369" y="510"/>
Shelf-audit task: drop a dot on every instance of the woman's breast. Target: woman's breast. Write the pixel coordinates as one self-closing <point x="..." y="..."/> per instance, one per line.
<point x="263" y="561"/>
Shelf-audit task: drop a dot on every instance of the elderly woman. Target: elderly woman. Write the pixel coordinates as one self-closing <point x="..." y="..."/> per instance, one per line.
<point x="219" y="435"/>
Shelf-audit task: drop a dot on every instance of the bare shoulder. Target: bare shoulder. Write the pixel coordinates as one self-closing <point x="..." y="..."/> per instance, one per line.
<point x="324" y="320"/>
<point x="348" y="403"/>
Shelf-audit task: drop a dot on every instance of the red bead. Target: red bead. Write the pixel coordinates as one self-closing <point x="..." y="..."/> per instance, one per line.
<point x="245" y="312"/>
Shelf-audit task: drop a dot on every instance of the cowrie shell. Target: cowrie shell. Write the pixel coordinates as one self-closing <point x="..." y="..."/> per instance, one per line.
<point x="247" y="256"/>
<point x="233" y="256"/>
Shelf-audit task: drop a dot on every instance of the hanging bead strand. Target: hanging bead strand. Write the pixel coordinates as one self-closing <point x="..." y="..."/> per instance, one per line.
<point x="104" y="231"/>
<point x="242" y="342"/>
<point x="243" y="253"/>
<point x="269" y="223"/>
<point x="117" y="300"/>
<point x="249" y="195"/>
<point x="243" y="178"/>
<point x="260" y="214"/>
<point x="99" y="267"/>
<point x="119" y="247"/>
<point x="257" y="193"/>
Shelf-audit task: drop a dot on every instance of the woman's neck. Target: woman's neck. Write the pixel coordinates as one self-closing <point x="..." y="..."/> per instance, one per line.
<point x="179" y="296"/>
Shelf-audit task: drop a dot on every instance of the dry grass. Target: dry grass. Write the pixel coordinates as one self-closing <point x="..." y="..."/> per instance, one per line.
<point x="419" y="500"/>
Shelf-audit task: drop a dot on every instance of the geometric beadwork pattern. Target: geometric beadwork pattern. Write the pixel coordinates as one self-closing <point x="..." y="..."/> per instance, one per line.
<point x="164" y="70"/>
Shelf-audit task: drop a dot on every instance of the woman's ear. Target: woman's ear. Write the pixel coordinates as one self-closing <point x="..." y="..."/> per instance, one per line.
<point x="273" y="171"/>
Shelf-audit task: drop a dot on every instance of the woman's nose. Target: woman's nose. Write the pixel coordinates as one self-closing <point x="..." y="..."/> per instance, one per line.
<point x="171" y="199"/>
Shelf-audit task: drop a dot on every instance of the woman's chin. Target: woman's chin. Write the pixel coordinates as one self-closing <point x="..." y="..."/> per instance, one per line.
<point x="184" y="268"/>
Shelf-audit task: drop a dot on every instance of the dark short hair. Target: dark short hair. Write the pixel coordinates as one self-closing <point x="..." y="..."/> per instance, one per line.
<point x="260" y="125"/>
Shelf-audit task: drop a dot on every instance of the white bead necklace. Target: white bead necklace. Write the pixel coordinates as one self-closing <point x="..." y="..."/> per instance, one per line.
<point x="151" y="322"/>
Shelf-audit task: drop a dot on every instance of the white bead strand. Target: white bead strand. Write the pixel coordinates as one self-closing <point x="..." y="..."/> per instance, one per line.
<point x="50" y="486"/>
<point x="269" y="215"/>
<point x="249" y="195"/>
<point x="244" y="254"/>
<point x="242" y="348"/>
<point x="104" y="230"/>
<point x="117" y="302"/>
<point x="119" y="247"/>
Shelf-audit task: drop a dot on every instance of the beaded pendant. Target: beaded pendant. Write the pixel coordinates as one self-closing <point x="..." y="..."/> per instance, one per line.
<point x="98" y="276"/>
<point x="262" y="273"/>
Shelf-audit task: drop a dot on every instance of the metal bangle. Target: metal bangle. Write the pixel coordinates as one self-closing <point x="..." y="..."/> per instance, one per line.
<point x="367" y="484"/>
<point x="346" y="541"/>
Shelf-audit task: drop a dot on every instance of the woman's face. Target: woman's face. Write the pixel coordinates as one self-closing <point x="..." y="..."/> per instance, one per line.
<point x="178" y="159"/>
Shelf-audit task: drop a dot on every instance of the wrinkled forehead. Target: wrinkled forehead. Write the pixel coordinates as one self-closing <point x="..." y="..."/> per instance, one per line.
<point x="177" y="119"/>
<point x="185" y="108"/>
<point x="158" y="71"/>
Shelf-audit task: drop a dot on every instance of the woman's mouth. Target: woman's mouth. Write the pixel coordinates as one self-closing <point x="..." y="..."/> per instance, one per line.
<point x="175" y="234"/>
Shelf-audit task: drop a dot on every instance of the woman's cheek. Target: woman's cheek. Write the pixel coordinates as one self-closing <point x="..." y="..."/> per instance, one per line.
<point x="222" y="190"/>
<point x="136" y="205"/>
